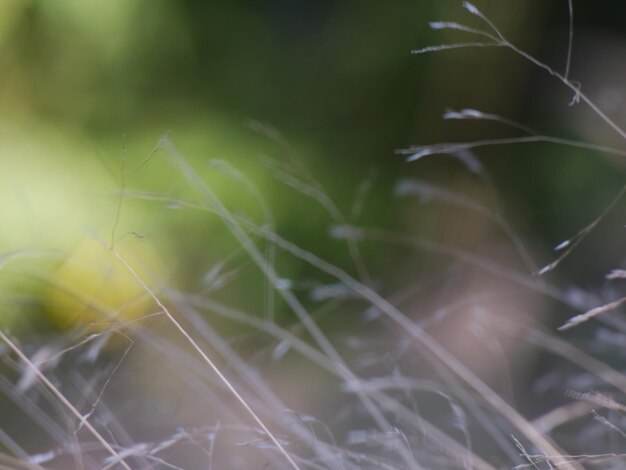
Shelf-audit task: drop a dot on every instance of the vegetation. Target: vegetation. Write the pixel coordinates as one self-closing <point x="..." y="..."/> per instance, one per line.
<point x="185" y="309"/>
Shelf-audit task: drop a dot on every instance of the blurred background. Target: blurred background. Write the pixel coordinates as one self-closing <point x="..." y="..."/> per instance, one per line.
<point x="82" y="80"/>
<point x="88" y="90"/>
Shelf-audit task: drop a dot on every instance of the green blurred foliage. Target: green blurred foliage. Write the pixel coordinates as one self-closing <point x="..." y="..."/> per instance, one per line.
<point x="85" y="82"/>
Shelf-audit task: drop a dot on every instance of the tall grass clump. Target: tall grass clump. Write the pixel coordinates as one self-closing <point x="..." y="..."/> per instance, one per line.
<point x="408" y="351"/>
